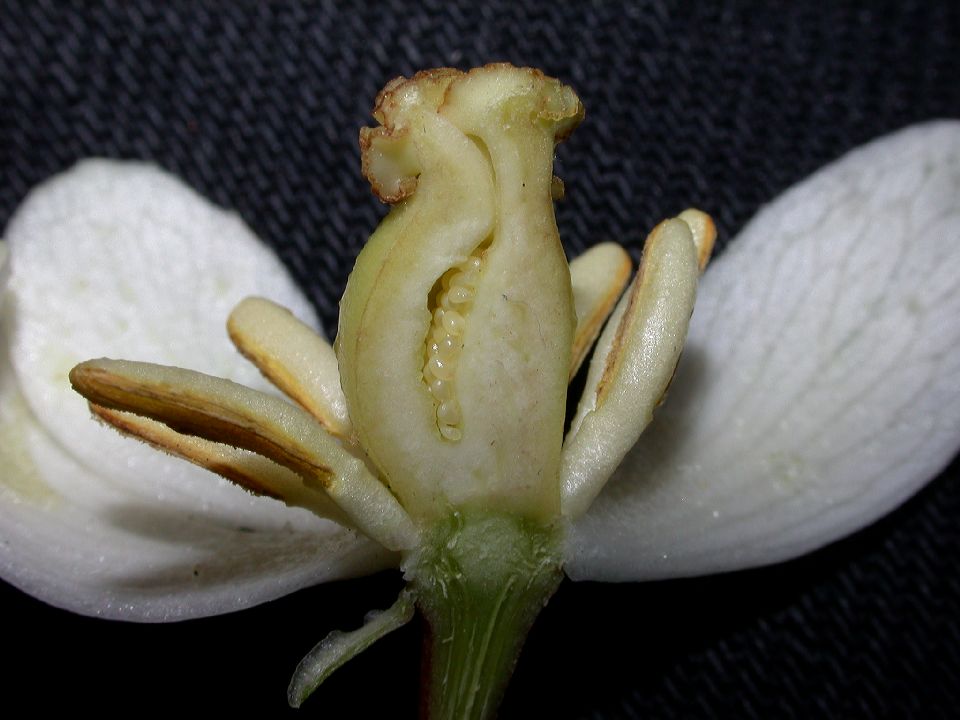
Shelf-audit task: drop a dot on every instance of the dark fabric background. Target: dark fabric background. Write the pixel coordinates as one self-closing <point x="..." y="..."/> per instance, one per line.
<point x="720" y="105"/>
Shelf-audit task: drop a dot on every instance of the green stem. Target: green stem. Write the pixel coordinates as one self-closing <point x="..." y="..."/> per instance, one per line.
<point x="481" y="582"/>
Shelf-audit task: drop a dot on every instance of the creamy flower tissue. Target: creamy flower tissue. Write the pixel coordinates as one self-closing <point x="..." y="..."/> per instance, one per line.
<point x="803" y="386"/>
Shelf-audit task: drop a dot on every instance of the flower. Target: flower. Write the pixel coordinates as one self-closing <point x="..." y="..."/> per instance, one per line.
<point x="454" y="352"/>
<point x="719" y="451"/>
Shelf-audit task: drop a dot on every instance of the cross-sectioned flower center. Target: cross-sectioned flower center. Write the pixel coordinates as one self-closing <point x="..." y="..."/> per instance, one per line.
<point x="456" y="327"/>
<point x="460" y="326"/>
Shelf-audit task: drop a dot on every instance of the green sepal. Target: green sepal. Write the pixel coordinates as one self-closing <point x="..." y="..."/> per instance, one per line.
<point x="338" y="647"/>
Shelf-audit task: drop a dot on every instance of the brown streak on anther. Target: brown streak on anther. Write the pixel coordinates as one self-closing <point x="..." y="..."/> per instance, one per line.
<point x="190" y="415"/>
<point x="165" y="439"/>
<point x="614" y="356"/>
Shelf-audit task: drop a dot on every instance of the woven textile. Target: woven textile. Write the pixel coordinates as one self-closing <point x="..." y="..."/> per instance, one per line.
<point x="718" y="105"/>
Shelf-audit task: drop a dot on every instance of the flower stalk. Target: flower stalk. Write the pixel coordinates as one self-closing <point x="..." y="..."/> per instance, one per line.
<point x="481" y="580"/>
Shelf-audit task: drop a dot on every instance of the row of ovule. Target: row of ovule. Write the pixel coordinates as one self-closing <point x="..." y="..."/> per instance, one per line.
<point x="445" y="341"/>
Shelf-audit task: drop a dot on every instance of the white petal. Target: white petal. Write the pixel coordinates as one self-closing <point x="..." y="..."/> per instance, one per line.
<point x="820" y="386"/>
<point x="120" y="258"/>
<point x="123" y="260"/>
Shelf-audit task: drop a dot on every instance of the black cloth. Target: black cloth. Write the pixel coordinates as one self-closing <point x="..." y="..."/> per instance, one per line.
<point x="718" y="105"/>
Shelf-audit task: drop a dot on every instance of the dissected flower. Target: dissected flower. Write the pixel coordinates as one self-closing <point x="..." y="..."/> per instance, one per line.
<point x="816" y="392"/>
